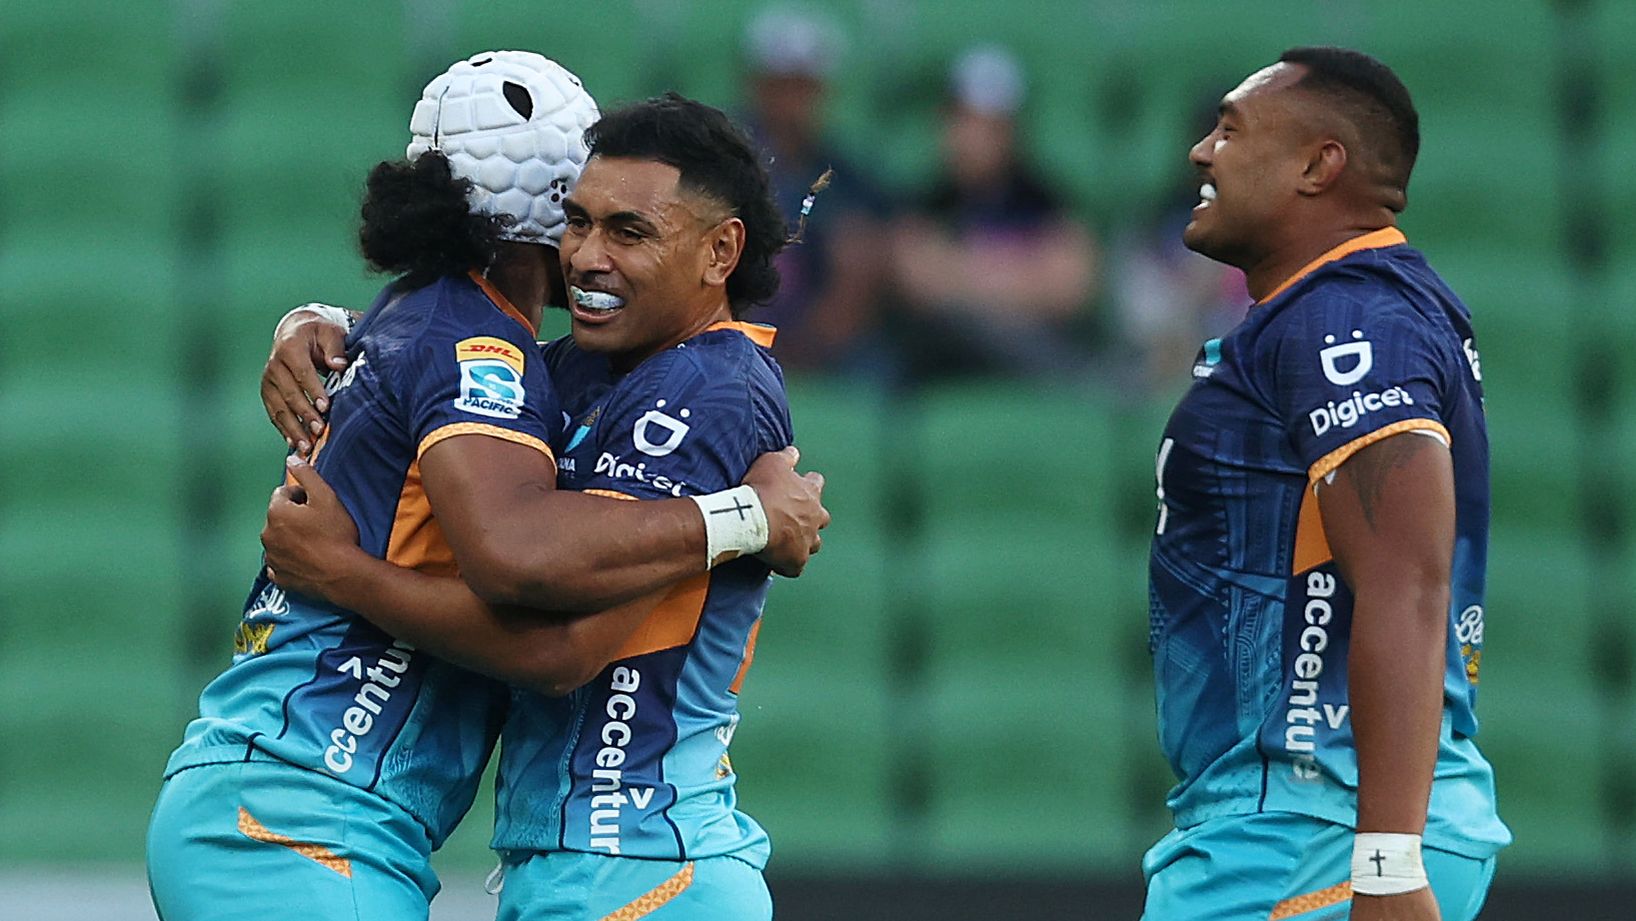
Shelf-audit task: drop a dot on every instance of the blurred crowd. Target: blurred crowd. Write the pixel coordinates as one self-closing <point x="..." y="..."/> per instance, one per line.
<point x="990" y="268"/>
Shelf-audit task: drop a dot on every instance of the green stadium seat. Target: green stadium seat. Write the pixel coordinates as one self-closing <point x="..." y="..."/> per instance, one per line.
<point x="842" y="433"/>
<point x="89" y="440"/>
<point x="317" y="51"/>
<point x="88" y="751"/>
<point x="990" y="453"/>
<point x="1027" y="771"/>
<point x="1023" y="688"/>
<point x="87" y="102"/>
<point x="71" y="320"/>
<point x="1539" y="616"/>
<point x="1461" y="188"/>
<point x="815" y="747"/>
<point x="1543" y="737"/>
<point x="1020" y="591"/>
<point x="813" y="753"/>
<point x="1528" y="336"/>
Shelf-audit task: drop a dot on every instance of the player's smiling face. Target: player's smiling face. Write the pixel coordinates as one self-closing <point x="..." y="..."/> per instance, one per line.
<point x="636" y="255"/>
<point x="1248" y="166"/>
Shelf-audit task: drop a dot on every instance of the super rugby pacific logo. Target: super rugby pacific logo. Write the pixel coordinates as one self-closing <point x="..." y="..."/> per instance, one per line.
<point x="491" y="377"/>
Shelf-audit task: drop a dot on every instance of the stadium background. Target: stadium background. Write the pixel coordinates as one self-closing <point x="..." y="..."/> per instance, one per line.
<point x="950" y="715"/>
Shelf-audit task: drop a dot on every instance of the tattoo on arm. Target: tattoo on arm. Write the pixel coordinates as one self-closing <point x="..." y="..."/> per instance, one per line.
<point x="1369" y="469"/>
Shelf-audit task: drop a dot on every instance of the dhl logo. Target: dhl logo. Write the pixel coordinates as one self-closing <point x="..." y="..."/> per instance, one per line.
<point x="489" y="347"/>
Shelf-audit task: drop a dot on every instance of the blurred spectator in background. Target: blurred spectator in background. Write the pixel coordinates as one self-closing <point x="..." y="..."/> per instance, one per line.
<point x="995" y="274"/>
<point x="825" y="307"/>
<point x="1166" y="300"/>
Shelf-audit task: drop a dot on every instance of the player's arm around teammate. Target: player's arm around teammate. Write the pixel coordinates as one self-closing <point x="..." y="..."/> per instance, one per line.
<point x="310" y="541"/>
<point x="311" y="548"/>
<point x="655" y="243"/>
<point x="572" y="573"/>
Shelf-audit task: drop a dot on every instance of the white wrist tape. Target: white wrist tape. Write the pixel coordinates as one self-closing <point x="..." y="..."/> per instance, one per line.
<point x="339" y="316"/>
<point x="735" y="524"/>
<point x="1386" y="864"/>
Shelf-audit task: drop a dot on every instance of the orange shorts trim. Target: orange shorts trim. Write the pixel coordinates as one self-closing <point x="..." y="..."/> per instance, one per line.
<point x="656" y="898"/>
<point x="1312" y="901"/>
<point x="317" y="853"/>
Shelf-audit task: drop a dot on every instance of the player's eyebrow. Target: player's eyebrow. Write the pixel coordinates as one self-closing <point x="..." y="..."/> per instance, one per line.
<point x="632" y="219"/>
<point x="1227" y="109"/>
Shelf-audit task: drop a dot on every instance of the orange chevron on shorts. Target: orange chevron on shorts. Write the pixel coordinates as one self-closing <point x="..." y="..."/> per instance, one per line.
<point x="323" y="856"/>
<point x="653" y="900"/>
<point x="1312" y="901"/>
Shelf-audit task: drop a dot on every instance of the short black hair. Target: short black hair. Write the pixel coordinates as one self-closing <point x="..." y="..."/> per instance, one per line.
<point x="1369" y="95"/>
<point x="418" y="222"/>
<point x="716" y="159"/>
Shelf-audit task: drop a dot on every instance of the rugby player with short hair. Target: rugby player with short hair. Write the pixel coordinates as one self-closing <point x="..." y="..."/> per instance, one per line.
<point x="616" y="793"/>
<point x="1317" y="571"/>
<point x="330" y="758"/>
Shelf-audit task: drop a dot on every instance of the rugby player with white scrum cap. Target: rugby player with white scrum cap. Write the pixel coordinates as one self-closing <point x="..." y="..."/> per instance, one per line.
<point x="330" y="759"/>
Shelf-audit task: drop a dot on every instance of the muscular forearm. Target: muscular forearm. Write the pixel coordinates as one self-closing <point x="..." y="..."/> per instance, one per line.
<point x="444" y="617"/>
<point x="566" y="551"/>
<point x="1395" y="683"/>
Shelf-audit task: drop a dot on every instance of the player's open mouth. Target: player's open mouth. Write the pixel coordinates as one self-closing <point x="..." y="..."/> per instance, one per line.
<point x="1207" y="195"/>
<point x="594" y="305"/>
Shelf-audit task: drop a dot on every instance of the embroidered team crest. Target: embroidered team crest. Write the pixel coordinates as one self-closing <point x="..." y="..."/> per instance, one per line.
<point x="491" y="377"/>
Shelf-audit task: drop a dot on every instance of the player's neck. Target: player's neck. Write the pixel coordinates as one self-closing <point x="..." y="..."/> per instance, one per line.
<point x="523" y="273"/>
<point x="703" y="320"/>
<point x="1282" y="263"/>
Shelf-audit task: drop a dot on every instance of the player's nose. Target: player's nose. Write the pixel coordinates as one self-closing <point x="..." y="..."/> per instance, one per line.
<point x="590" y="254"/>
<point x="1200" y="154"/>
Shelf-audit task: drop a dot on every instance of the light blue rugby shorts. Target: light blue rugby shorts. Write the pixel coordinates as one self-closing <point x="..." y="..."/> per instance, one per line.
<point x="1280" y="866"/>
<point x="572" y="886"/>
<point x="256" y="840"/>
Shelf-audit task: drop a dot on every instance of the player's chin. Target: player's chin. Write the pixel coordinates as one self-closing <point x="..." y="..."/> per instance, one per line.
<point x="604" y="338"/>
<point x="1197" y="235"/>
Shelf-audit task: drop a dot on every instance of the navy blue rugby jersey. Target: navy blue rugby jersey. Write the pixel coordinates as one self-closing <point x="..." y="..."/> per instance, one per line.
<point x="1250" y="618"/>
<point x="635" y="762"/>
<point x="321" y="688"/>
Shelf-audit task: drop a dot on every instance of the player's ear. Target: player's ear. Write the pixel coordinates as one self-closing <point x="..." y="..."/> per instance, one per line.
<point x="1326" y="161"/>
<point x="726" y="245"/>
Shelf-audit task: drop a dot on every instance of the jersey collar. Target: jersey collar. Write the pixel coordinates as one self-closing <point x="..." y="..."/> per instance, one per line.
<point x="759" y="333"/>
<point x="1375" y="239"/>
<point x="501" y="302"/>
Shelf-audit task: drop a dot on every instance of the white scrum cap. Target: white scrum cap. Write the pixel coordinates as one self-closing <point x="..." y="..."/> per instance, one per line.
<point x="513" y="122"/>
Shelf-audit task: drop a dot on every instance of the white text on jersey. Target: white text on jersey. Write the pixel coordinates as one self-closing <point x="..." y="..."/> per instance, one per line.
<point x="609" y="796"/>
<point x="359" y="720"/>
